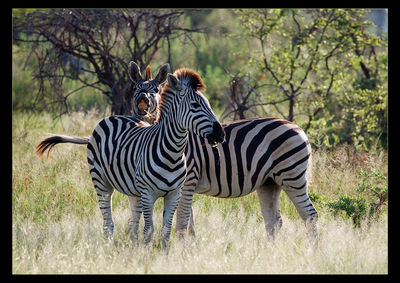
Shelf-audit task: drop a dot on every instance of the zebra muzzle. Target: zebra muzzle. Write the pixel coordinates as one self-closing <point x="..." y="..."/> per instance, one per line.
<point x="143" y="106"/>
<point x="217" y="135"/>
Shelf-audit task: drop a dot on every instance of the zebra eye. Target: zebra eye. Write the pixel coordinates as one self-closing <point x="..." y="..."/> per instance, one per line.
<point x="153" y="91"/>
<point x="195" y="105"/>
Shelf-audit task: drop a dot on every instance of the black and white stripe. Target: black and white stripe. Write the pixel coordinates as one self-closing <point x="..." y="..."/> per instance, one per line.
<point x="266" y="155"/>
<point x="147" y="162"/>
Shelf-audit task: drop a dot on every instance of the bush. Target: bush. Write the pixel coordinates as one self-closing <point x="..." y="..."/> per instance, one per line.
<point x="372" y="195"/>
<point x="374" y="185"/>
<point x="354" y="207"/>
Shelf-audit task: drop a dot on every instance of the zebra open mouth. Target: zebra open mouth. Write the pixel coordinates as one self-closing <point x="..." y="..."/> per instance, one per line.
<point x="143" y="107"/>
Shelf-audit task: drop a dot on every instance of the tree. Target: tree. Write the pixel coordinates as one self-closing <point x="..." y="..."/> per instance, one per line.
<point x="308" y="60"/>
<point x="94" y="47"/>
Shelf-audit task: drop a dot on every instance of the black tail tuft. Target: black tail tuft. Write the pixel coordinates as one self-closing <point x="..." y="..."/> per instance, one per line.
<point x="47" y="144"/>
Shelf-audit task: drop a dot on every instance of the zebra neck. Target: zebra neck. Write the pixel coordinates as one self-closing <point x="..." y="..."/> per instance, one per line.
<point x="172" y="138"/>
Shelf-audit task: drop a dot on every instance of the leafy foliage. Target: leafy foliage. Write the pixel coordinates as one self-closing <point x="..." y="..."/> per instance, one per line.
<point x="354" y="207"/>
<point x="328" y="71"/>
<point x="324" y="69"/>
<point x="372" y="195"/>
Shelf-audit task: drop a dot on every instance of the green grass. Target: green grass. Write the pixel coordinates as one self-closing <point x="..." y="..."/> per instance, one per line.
<point x="57" y="225"/>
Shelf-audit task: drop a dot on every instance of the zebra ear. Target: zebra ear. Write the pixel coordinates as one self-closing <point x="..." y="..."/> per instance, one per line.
<point x="174" y="83"/>
<point x="162" y="74"/>
<point x="134" y="72"/>
<point x="148" y="73"/>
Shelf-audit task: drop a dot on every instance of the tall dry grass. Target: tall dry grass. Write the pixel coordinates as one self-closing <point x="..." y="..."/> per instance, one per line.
<point x="57" y="226"/>
<point x="231" y="245"/>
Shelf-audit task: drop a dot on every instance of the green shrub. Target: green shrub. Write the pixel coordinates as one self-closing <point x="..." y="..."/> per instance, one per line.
<point x="354" y="207"/>
<point x="374" y="186"/>
<point x="372" y="195"/>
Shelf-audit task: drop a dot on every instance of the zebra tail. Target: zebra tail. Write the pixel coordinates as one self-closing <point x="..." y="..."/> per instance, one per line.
<point x="309" y="174"/>
<point x="49" y="142"/>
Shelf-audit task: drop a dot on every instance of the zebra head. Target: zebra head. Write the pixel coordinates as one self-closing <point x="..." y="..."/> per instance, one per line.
<point x="194" y="112"/>
<point x="146" y="96"/>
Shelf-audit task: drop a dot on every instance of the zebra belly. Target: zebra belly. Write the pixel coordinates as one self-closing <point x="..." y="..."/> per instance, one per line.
<point x="211" y="189"/>
<point x="122" y="180"/>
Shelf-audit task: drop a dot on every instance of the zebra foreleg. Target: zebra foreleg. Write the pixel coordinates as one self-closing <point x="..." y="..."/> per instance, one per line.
<point x="184" y="214"/>
<point x="135" y="206"/>
<point x="147" y="202"/>
<point x="268" y="196"/>
<point x="105" y="203"/>
<point x="171" y="201"/>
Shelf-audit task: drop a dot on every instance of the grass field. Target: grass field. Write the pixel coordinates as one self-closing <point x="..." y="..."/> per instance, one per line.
<point x="57" y="225"/>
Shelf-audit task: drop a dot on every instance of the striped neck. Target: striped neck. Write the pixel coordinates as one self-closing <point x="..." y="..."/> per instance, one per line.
<point x="173" y="137"/>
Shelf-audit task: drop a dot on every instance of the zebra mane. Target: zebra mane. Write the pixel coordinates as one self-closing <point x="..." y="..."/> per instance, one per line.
<point x="189" y="78"/>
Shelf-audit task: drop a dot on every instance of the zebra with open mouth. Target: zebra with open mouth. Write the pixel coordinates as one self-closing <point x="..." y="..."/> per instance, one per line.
<point x="146" y="96"/>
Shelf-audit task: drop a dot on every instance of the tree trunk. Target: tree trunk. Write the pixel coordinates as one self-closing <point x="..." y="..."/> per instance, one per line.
<point x="291" y="108"/>
<point x="121" y="102"/>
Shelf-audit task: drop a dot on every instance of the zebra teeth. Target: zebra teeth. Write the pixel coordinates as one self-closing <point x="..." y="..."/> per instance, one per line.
<point x="143" y="107"/>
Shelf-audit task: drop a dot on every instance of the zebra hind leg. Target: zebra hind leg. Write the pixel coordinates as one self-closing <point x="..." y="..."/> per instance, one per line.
<point x="105" y="204"/>
<point x="268" y="196"/>
<point x="184" y="214"/>
<point x="304" y="206"/>
<point x="104" y="191"/>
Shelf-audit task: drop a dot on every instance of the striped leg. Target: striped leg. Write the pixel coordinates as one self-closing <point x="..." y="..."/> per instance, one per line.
<point x="268" y="195"/>
<point x="184" y="213"/>
<point x="304" y="206"/>
<point x="147" y="202"/>
<point x="190" y="228"/>
<point x="135" y="211"/>
<point x="105" y="203"/>
<point x="171" y="201"/>
<point x="104" y="190"/>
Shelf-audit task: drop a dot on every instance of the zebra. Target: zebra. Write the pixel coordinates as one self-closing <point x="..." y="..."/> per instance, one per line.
<point x="264" y="155"/>
<point x="147" y="91"/>
<point x="145" y="161"/>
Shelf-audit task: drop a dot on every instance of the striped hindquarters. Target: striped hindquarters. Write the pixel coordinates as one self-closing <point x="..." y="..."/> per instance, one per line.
<point x="111" y="156"/>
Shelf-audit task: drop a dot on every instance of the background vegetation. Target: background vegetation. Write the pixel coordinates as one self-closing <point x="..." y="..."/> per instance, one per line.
<point x="324" y="69"/>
